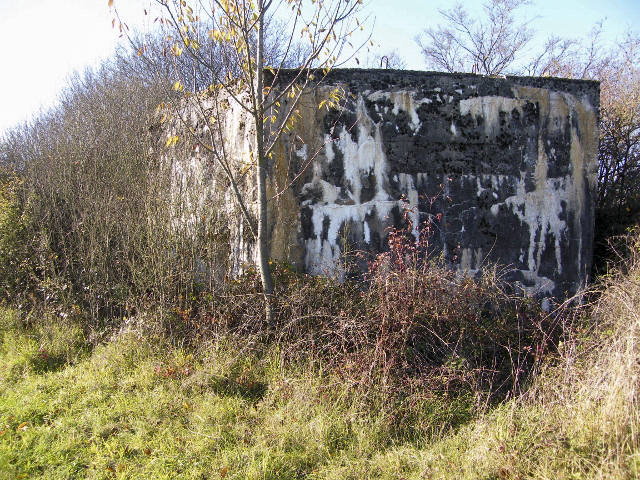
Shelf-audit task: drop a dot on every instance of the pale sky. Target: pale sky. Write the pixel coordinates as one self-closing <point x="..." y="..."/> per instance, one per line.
<point x="44" y="41"/>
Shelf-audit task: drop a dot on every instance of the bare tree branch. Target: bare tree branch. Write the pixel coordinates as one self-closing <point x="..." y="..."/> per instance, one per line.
<point x="489" y="44"/>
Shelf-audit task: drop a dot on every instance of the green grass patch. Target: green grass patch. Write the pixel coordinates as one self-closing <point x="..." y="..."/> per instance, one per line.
<point x="331" y="394"/>
<point x="136" y="407"/>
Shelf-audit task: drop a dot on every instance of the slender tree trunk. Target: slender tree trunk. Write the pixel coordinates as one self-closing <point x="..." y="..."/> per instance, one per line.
<point x="263" y="240"/>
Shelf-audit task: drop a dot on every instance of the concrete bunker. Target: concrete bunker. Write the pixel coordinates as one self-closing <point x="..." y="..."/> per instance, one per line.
<point x="506" y="168"/>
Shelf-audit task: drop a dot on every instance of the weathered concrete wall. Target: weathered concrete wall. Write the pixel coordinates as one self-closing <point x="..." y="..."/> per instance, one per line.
<point x="505" y="168"/>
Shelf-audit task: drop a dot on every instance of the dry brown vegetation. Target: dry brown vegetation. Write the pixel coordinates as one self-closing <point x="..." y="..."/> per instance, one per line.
<point x="112" y="315"/>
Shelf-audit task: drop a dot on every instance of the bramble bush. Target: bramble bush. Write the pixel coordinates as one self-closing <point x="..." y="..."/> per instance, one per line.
<point x="16" y="254"/>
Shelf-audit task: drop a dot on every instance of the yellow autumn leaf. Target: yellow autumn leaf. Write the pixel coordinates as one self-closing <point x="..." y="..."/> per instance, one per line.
<point x="176" y="49"/>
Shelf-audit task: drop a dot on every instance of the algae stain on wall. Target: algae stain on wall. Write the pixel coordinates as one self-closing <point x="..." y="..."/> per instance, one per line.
<point x="513" y="171"/>
<point x="348" y="192"/>
<point x="504" y="168"/>
<point x="545" y="206"/>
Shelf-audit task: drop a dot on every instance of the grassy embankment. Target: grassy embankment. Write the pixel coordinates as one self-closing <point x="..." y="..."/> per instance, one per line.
<point x="327" y="399"/>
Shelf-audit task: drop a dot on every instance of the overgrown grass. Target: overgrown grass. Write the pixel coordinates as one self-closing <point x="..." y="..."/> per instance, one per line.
<point x="340" y="390"/>
<point x="138" y="408"/>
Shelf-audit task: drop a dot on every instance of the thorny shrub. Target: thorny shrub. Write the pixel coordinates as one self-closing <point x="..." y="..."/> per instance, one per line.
<point x="412" y="324"/>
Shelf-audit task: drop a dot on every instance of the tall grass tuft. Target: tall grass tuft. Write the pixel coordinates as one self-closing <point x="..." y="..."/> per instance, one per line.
<point x="578" y="417"/>
<point x="595" y="387"/>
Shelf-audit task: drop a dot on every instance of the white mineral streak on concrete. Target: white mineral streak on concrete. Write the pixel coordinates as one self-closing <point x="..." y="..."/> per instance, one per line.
<point x="488" y="108"/>
<point x="302" y="151"/>
<point x="364" y="157"/>
<point x="411" y="195"/>
<point x="328" y="151"/>
<point x="479" y="187"/>
<point x="238" y="139"/>
<point x="402" y="100"/>
<point x="237" y="128"/>
<point x="541" y="209"/>
<point x="335" y="206"/>
<point x="361" y="159"/>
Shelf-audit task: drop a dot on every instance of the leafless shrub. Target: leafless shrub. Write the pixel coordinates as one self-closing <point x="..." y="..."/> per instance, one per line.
<point x="412" y="325"/>
<point x="98" y="197"/>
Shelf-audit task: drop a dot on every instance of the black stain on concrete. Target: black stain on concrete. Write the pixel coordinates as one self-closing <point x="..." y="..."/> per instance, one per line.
<point x="480" y="160"/>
